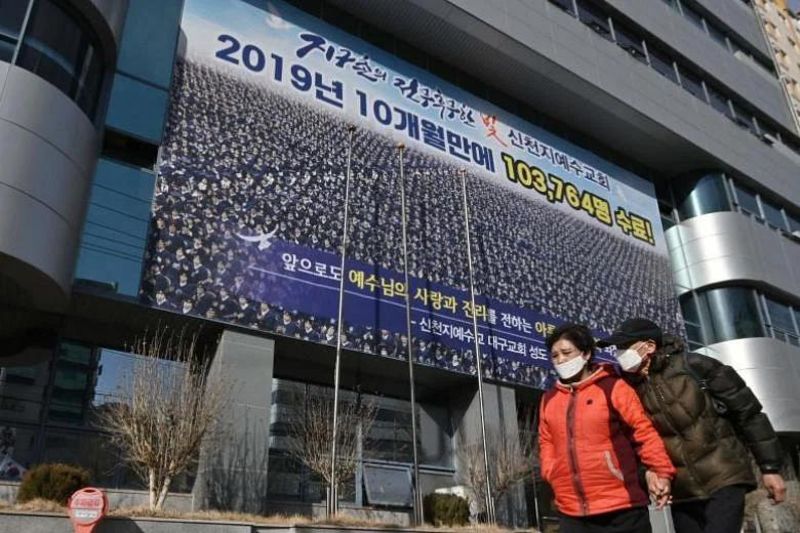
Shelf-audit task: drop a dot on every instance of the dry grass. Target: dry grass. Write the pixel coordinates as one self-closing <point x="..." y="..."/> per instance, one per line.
<point x="211" y="516"/>
<point x="45" y="506"/>
<point x="37" y="505"/>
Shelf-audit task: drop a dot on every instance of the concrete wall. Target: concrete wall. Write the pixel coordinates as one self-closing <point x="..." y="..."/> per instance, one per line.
<point x="540" y="55"/>
<point x="747" y="80"/>
<point x="500" y="415"/>
<point x="116" y="498"/>
<point x="233" y="472"/>
<point x="30" y="523"/>
<point x="738" y="17"/>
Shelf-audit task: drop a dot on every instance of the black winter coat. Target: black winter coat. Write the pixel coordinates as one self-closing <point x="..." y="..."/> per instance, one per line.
<point x="709" y="450"/>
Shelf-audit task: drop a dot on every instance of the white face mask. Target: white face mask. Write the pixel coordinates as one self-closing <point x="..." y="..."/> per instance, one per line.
<point x="629" y="360"/>
<point x="571" y="368"/>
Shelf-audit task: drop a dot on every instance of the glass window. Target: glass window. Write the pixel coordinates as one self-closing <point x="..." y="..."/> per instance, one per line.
<point x="662" y="63"/>
<point x="59" y="50"/>
<point x="18" y="445"/>
<point x="693" y="15"/>
<point x="113" y="373"/>
<point x="565" y="5"/>
<point x="594" y="17"/>
<point x="90" y="81"/>
<point x="743" y="118"/>
<point x="717" y="34"/>
<point x="629" y="41"/>
<point x="22" y="392"/>
<point x="732" y="313"/>
<point x="747" y="201"/>
<point x="797" y="316"/>
<point x="74" y="353"/>
<point x="692" y="83"/>
<point x="435" y="435"/>
<point x="768" y="129"/>
<point x="137" y="109"/>
<point x="737" y="49"/>
<point x="691" y="317"/>
<point x="12" y="15"/>
<point x="667" y="218"/>
<point x="794" y="222"/>
<point x="718" y="100"/>
<point x="115" y="232"/>
<point x="94" y="452"/>
<point x="773" y="214"/>
<point x="780" y="320"/>
<point x="389" y="438"/>
<point x="147" y="50"/>
<point x="697" y="196"/>
<point x="72" y="383"/>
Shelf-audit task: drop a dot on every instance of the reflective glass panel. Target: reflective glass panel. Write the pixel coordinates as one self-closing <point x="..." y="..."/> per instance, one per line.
<point x="732" y="313"/>
<point x="565" y="5"/>
<point x="701" y="195"/>
<point x="693" y="16"/>
<point x="53" y="46"/>
<point x="691" y="318"/>
<point x="137" y="108"/>
<point x="148" y="44"/>
<point x="12" y="14"/>
<point x="692" y="83"/>
<point x="780" y="316"/>
<point x="717" y="34"/>
<point x="18" y="447"/>
<point x="718" y="100"/>
<point x="115" y="232"/>
<point x="747" y="200"/>
<point x="594" y="17"/>
<point x="22" y="392"/>
<point x="57" y="48"/>
<point x="773" y="214"/>
<point x="662" y="63"/>
<point x="743" y="118"/>
<point x="630" y="42"/>
<point x="794" y="222"/>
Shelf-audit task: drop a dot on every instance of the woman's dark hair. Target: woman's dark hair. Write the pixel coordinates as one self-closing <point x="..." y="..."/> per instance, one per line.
<point x="577" y="334"/>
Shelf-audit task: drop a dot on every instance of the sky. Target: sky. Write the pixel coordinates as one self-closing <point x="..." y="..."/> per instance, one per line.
<point x="794" y="4"/>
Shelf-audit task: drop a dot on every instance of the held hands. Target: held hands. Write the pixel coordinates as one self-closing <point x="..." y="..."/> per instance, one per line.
<point x="775" y="486"/>
<point x="660" y="489"/>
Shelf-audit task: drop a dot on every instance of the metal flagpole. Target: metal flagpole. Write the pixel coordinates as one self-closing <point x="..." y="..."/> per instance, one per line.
<point x="332" y="497"/>
<point x="419" y="517"/>
<point x="490" y="514"/>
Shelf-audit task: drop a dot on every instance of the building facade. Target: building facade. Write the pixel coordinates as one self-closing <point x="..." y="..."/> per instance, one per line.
<point x="134" y="134"/>
<point x="782" y="28"/>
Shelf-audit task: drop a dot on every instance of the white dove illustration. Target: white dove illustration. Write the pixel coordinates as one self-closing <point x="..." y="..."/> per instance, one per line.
<point x="263" y="240"/>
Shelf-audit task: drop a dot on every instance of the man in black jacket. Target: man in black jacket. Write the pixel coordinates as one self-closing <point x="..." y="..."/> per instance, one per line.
<point x="709" y="420"/>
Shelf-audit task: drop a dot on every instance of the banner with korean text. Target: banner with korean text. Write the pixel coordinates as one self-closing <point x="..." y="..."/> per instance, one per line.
<point x="248" y="213"/>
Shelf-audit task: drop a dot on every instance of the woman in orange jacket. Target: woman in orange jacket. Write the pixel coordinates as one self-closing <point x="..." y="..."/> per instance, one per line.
<point x="593" y="434"/>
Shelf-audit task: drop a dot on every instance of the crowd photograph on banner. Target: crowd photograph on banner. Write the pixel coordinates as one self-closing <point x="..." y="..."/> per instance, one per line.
<point x="399" y="265"/>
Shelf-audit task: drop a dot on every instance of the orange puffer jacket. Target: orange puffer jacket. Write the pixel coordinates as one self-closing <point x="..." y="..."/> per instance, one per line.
<point x="592" y="437"/>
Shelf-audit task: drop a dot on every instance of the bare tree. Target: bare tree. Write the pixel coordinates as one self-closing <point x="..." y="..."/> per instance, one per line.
<point x="165" y="409"/>
<point x="310" y="429"/>
<point x="512" y="461"/>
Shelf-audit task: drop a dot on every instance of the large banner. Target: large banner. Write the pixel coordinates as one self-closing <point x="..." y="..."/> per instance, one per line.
<point x="249" y="207"/>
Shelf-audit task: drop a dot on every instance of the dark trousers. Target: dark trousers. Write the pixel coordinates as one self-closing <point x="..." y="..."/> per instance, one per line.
<point x="626" y="521"/>
<point x="723" y="512"/>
